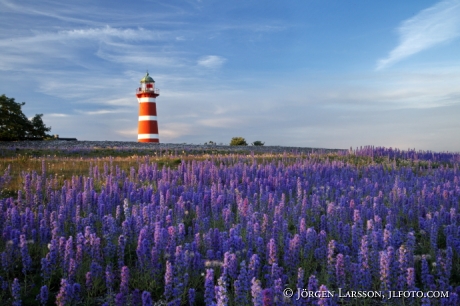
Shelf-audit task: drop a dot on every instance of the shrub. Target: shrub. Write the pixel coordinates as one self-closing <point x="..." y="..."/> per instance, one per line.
<point x="238" y="141"/>
<point x="258" y="143"/>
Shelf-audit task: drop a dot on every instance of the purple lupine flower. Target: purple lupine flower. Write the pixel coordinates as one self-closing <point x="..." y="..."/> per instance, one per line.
<point x="385" y="271"/>
<point x="292" y="255"/>
<point x="434" y="235"/>
<point x="324" y="300"/>
<point x="146" y="299"/>
<point x="95" y="269"/>
<point x="191" y="296"/>
<point x="42" y="298"/>
<point x="89" y="281"/>
<point x="411" y="242"/>
<point x="254" y="266"/>
<point x="300" y="284"/>
<point x="364" y="269"/>
<point x="136" y="297"/>
<point x="76" y="292"/>
<point x="411" y="279"/>
<point x="80" y="251"/>
<point x="65" y="294"/>
<point x="121" y="251"/>
<point x="120" y="299"/>
<point x="387" y="236"/>
<point x="339" y="271"/>
<point x="277" y="293"/>
<point x="356" y="229"/>
<point x="394" y="267"/>
<point x="96" y="248"/>
<point x="256" y="292"/>
<point x="68" y="253"/>
<point x="43" y="231"/>
<point x="231" y="264"/>
<point x="312" y="287"/>
<point x="401" y="283"/>
<point x="267" y="295"/>
<point x="446" y="264"/>
<point x="426" y="276"/>
<point x="110" y="249"/>
<point x="241" y="285"/>
<point x="272" y="252"/>
<point x="403" y="259"/>
<point x="425" y="302"/>
<point x="331" y="261"/>
<point x="16" y="292"/>
<point x="300" y="278"/>
<point x="276" y="272"/>
<point x="221" y="292"/>
<point x="109" y="278"/>
<point x="26" y="259"/>
<point x="124" y="283"/>
<point x="321" y="250"/>
<point x="169" y="278"/>
<point x="444" y="267"/>
<point x="72" y="273"/>
<point x="209" y="287"/>
<point x="239" y="293"/>
<point x="46" y="269"/>
<point x="260" y="246"/>
<point x="53" y="253"/>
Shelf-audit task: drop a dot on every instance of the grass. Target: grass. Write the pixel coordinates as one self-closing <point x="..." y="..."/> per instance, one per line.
<point x="65" y="163"/>
<point x="64" y="167"/>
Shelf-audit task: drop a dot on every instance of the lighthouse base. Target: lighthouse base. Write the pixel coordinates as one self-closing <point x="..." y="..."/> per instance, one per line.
<point x="149" y="140"/>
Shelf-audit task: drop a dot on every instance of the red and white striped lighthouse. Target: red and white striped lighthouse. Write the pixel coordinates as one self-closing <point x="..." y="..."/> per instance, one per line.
<point x="148" y="124"/>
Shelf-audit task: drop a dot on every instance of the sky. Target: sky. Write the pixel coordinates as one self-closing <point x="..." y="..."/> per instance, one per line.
<point x="305" y="73"/>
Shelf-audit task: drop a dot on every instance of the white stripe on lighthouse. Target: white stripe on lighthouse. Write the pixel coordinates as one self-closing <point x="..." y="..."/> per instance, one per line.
<point x="145" y="99"/>
<point x="147" y="118"/>
<point x="147" y="136"/>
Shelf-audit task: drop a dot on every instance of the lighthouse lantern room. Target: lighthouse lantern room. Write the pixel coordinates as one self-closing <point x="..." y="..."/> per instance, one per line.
<point x="148" y="124"/>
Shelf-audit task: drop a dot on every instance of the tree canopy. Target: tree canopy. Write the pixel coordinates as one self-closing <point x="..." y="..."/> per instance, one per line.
<point x="14" y="125"/>
<point x="238" y="141"/>
<point x="258" y="143"/>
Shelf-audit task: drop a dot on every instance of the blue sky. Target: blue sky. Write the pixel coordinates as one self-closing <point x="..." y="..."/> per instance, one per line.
<point x="333" y="74"/>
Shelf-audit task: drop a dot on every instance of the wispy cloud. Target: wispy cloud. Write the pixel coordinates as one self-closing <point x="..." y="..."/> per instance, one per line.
<point x="89" y="14"/>
<point x="220" y="122"/>
<point x="106" y="33"/>
<point x="73" y="47"/>
<point x="58" y="115"/>
<point x="212" y="61"/>
<point x="432" y="26"/>
<point x="103" y="111"/>
<point x="30" y="10"/>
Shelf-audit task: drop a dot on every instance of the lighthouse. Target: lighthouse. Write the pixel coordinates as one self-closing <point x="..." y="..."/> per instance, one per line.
<point x="148" y="124"/>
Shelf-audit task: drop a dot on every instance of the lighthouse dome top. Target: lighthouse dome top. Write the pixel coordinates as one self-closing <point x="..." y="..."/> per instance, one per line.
<point x="147" y="79"/>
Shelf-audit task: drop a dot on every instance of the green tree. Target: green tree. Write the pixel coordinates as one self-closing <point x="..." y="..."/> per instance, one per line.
<point x="14" y="125"/>
<point x="238" y="141"/>
<point x="258" y="143"/>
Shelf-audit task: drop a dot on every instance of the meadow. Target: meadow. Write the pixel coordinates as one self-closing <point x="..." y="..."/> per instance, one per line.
<point x="217" y="226"/>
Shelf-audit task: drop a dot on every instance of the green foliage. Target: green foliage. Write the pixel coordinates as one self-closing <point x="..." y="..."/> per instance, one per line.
<point x="238" y="141"/>
<point x="14" y="125"/>
<point x="258" y="143"/>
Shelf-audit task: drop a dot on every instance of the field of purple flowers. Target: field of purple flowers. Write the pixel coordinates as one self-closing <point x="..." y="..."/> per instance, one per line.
<point x="236" y="229"/>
